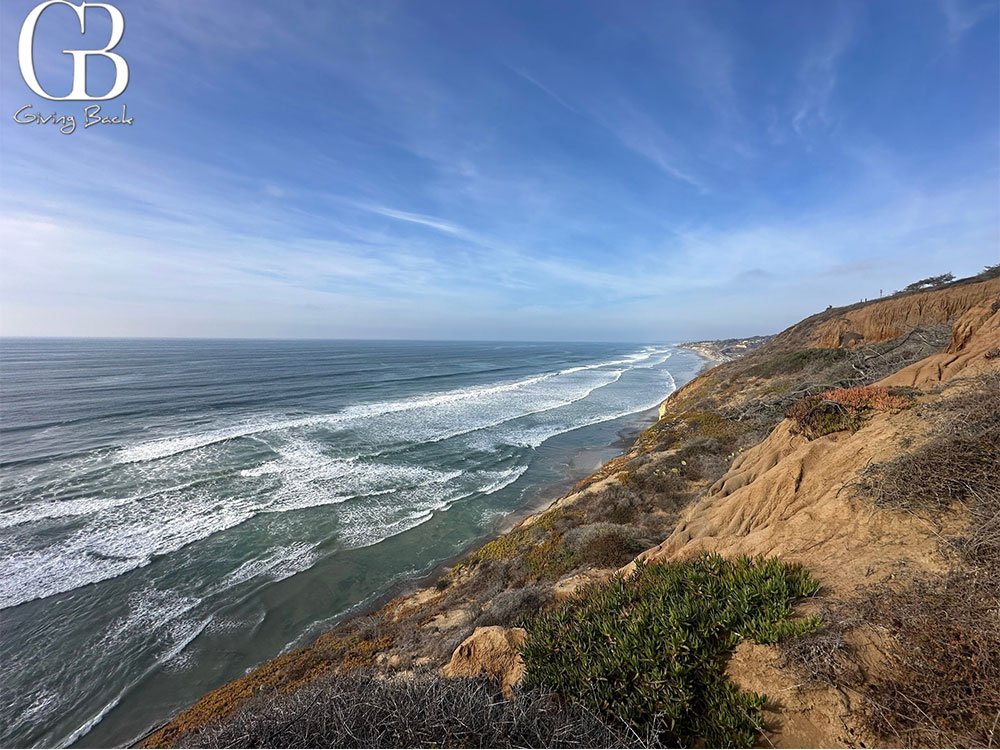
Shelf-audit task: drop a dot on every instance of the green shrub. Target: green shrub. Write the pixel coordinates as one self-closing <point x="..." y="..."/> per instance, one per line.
<point x="652" y="479"/>
<point x="814" y="417"/>
<point x="549" y="559"/>
<point x="651" y="651"/>
<point x="502" y="548"/>
<point x="709" y="424"/>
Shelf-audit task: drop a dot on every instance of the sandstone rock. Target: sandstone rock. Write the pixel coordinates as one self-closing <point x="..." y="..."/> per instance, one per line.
<point x="567" y="587"/>
<point x="494" y="651"/>
<point x="888" y="318"/>
<point x="975" y="335"/>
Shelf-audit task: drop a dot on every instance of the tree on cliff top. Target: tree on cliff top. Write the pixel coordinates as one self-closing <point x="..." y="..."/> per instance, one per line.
<point x="930" y="282"/>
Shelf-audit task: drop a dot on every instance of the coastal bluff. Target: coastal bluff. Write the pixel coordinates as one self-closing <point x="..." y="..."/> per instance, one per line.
<point x="860" y="445"/>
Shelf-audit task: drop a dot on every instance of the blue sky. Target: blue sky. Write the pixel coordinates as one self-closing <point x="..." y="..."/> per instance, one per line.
<point x="499" y="170"/>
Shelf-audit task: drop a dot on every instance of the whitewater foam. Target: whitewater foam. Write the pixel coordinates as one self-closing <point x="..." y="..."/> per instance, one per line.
<point x="165" y="447"/>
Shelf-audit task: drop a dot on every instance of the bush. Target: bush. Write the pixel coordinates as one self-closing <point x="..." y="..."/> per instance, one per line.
<point x="709" y="424"/>
<point x="613" y="501"/>
<point x="844" y="408"/>
<point x="606" y="544"/>
<point x="514" y="606"/>
<point x="549" y="559"/>
<point x="958" y="463"/>
<point x="502" y="548"/>
<point x="939" y="645"/>
<point x="365" y="709"/>
<point x="650" y="651"/>
<point x="938" y="636"/>
<point x="653" y="479"/>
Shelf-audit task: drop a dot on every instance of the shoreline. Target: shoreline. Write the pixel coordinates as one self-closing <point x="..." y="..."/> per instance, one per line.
<point x="575" y="469"/>
<point x="710" y="359"/>
<point x="725" y="350"/>
<point x="541" y="500"/>
<point x="585" y="463"/>
<point x="578" y="469"/>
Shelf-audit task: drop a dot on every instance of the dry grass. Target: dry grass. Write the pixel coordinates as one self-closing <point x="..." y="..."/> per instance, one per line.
<point x="936" y="679"/>
<point x="514" y="606"/>
<point x="958" y="465"/>
<point x="825" y="655"/>
<point x="941" y="683"/>
<point x="607" y="545"/>
<point x="873" y="397"/>
<point x="770" y="381"/>
<point x="365" y="709"/>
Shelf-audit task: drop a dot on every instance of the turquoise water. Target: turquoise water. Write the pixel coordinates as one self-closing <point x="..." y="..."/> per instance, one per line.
<point x="174" y="512"/>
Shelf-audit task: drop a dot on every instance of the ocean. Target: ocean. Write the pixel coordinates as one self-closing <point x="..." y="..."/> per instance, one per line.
<point x="174" y="512"/>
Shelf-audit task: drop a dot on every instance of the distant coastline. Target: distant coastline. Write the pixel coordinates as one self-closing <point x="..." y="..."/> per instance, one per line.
<point x="725" y="350"/>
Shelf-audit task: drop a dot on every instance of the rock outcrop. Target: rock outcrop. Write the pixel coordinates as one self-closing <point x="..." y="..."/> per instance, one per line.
<point x="889" y="318"/>
<point x="975" y="347"/>
<point x="492" y="651"/>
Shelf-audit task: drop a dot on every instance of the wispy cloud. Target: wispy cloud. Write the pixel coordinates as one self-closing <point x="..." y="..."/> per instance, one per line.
<point x="544" y="89"/>
<point x="362" y="170"/>
<point x="425" y="221"/>
<point x="642" y="136"/>
<point x="962" y="15"/>
<point x="633" y="129"/>
<point x="818" y="76"/>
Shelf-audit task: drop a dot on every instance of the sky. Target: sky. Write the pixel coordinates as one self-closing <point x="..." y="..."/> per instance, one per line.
<point x="507" y="170"/>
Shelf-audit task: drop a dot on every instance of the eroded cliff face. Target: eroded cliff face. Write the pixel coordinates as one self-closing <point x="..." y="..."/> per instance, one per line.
<point x="889" y="318"/>
<point x="973" y="349"/>
<point x="721" y="471"/>
<point x="794" y="498"/>
<point x="786" y="496"/>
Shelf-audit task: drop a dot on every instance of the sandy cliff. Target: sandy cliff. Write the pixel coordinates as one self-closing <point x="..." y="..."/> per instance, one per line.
<point x="891" y="317"/>
<point x="793" y="497"/>
<point x="785" y="496"/>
